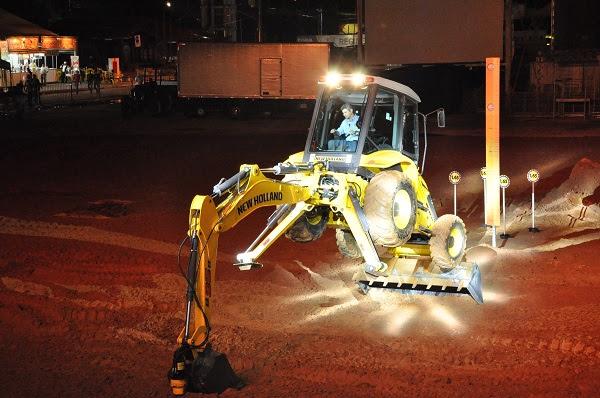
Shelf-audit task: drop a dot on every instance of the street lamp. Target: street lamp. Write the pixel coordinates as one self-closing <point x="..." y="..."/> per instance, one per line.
<point x="168" y="5"/>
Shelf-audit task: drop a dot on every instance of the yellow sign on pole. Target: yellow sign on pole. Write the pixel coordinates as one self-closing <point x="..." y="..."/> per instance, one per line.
<point x="492" y="140"/>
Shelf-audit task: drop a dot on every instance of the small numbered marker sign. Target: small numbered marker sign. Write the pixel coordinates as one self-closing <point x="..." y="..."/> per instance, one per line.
<point x="504" y="181"/>
<point x="533" y="175"/>
<point x="483" y="173"/>
<point x="454" y="177"/>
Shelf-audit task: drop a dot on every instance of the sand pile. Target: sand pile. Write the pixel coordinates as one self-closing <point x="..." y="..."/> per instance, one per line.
<point x="573" y="206"/>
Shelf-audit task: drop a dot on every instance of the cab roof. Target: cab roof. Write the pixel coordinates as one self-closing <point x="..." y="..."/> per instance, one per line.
<point x="358" y="79"/>
<point x="365" y="80"/>
<point x="401" y="88"/>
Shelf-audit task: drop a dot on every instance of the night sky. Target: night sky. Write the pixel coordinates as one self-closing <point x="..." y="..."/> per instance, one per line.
<point x="577" y="22"/>
<point x="283" y="20"/>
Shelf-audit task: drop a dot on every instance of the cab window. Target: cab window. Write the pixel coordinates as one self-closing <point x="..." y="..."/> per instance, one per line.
<point x="383" y="126"/>
<point x="409" y="130"/>
<point x="338" y="120"/>
<point x="393" y="124"/>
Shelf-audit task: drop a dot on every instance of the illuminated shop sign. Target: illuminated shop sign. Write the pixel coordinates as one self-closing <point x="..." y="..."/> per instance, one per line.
<point x="28" y="44"/>
<point x="49" y="43"/>
<point x="23" y="44"/>
<point x="67" y="43"/>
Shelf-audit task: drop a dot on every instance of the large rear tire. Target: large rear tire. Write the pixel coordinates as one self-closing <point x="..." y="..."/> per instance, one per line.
<point x="347" y="244"/>
<point x="391" y="208"/>
<point x="309" y="227"/>
<point x="448" y="242"/>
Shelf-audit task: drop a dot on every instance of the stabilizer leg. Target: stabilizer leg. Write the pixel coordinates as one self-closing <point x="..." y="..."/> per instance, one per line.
<point x="355" y="217"/>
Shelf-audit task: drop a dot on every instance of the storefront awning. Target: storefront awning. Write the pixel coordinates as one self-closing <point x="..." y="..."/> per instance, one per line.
<point x="12" y="25"/>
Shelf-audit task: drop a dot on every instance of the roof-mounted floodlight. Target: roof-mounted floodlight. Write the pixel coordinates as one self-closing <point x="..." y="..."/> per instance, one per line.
<point x="358" y="79"/>
<point x="333" y="79"/>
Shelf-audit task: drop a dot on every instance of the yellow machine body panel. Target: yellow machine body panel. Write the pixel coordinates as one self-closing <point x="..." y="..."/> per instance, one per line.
<point x="259" y="191"/>
<point x="384" y="159"/>
<point x="374" y="162"/>
<point x="295" y="157"/>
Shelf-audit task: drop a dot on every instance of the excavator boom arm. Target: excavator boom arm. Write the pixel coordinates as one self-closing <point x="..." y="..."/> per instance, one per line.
<point x="246" y="192"/>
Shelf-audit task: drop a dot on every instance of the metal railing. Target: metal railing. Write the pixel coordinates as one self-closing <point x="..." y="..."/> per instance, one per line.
<point x="60" y="93"/>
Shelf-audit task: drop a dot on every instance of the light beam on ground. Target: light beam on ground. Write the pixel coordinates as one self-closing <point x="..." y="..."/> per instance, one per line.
<point x="490" y="296"/>
<point x="398" y="319"/>
<point x="446" y="317"/>
<point x="325" y="312"/>
<point x="341" y="292"/>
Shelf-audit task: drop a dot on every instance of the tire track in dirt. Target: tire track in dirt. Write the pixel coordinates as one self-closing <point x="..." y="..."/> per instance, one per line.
<point x="62" y="307"/>
<point x="565" y="347"/>
<point x="13" y="226"/>
<point x="422" y="368"/>
<point x="125" y="297"/>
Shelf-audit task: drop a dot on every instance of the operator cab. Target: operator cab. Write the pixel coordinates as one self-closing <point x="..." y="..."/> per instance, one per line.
<point x="384" y="117"/>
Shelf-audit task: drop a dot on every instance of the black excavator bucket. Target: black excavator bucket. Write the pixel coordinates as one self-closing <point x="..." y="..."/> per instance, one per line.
<point x="209" y="372"/>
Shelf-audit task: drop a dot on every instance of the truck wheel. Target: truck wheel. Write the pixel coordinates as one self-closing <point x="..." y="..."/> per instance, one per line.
<point x="194" y="109"/>
<point x="154" y="106"/>
<point x="126" y="106"/>
<point x="309" y="226"/>
<point x="448" y="242"/>
<point x="166" y="103"/>
<point x="236" y="112"/>
<point x="391" y="208"/>
<point x="347" y="244"/>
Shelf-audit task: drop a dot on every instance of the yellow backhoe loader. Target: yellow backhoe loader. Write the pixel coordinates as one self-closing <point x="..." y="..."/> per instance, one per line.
<point x="358" y="174"/>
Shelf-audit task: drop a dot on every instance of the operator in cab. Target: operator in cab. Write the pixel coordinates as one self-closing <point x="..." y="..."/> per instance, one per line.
<point x="346" y="136"/>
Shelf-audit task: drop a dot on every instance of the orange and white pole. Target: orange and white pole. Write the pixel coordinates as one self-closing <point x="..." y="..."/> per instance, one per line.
<point x="492" y="144"/>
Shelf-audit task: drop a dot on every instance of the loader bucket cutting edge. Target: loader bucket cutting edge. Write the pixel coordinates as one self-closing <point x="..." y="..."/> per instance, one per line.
<point x="465" y="279"/>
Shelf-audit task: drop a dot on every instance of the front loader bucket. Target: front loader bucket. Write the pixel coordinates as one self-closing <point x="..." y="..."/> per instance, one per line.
<point x="414" y="276"/>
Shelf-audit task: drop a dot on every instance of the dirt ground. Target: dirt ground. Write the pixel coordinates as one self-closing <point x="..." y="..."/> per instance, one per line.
<point x="91" y="300"/>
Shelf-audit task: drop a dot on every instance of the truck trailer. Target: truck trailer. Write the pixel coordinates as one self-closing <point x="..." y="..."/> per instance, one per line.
<point x="241" y="77"/>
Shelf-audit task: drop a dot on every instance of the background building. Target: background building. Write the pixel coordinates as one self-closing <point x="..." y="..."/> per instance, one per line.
<point x="27" y="47"/>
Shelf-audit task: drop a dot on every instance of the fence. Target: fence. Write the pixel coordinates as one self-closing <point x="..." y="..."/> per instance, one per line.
<point x="559" y="90"/>
<point x="71" y="93"/>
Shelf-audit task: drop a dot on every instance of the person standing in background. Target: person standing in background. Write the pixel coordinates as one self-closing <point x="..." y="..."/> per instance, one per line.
<point x="43" y="74"/>
<point x="29" y="89"/>
<point x="63" y="70"/>
<point x="36" y="86"/>
<point x="76" y="78"/>
<point x="97" y="78"/>
<point x="89" y="75"/>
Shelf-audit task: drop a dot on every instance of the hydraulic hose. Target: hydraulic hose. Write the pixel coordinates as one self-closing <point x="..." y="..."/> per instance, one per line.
<point x="191" y="276"/>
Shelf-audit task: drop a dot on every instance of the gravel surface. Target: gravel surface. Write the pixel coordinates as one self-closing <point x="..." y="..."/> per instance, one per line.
<point x="91" y="300"/>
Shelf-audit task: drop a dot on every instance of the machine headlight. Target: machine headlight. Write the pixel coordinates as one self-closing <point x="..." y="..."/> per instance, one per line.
<point x="358" y="79"/>
<point x="333" y="79"/>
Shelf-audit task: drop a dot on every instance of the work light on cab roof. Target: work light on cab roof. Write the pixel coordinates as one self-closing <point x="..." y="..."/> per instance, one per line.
<point x="336" y="79"/>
